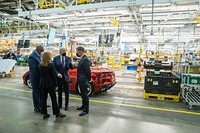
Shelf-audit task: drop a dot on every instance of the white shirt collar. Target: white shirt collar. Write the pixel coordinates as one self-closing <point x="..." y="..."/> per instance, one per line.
<point x="82" y="56"/>
<point x="62" y="56"/>
<point x="37" y="53"/>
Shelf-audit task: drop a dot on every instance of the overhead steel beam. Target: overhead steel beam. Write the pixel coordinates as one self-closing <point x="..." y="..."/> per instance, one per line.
<point x="130" y="9"/>
<point x="156" y="1"/>
<point x="76" y="8"/>
<point x="20" y="4"/>
<point x="36" y="4"/>
<point x="119" y="3"/>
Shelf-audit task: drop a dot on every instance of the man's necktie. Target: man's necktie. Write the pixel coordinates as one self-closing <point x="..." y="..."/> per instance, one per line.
<point x="63" y="61"/>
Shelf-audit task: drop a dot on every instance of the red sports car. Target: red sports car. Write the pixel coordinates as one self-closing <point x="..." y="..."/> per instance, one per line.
<point x="103" y="80"/>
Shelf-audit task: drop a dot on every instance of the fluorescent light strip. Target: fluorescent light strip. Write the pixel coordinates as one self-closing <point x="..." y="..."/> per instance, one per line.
<point x="98" y="28"/>
<point x="105" y="28"/>
<point x="198" y="25"/>
<point x="77" y="29"/>
<point x="156" y="14"/>
<point x="164" y="26"/>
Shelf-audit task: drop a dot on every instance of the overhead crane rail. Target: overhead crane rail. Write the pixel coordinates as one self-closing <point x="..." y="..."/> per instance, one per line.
<point x="87" y="5"/>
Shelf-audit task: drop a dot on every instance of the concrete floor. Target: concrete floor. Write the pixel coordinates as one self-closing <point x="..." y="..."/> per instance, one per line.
<point x="121" y="110"/>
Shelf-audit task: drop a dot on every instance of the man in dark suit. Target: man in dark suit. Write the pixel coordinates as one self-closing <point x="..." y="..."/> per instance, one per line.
<point x="62" y="64"/>
<point x="34" y="60"/>
<point x="83" y="78"/>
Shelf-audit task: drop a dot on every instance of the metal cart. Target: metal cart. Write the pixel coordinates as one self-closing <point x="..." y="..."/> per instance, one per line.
<point x="191" y="89"/>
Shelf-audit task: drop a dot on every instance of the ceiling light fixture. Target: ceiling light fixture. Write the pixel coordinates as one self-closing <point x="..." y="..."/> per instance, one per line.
<point x="198" y="25"/>
<point x="105" y="28"/>
<point x="18" y="9"/>
<point x="164" y="26"/>
<point x="156" y="14"/>
<point x="76" y="29"/>
<point x="94" y="28"/>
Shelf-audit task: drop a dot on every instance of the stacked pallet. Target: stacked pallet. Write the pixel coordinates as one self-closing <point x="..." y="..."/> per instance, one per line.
<point x="161" y="83"/>
<point x="162" y="86"/>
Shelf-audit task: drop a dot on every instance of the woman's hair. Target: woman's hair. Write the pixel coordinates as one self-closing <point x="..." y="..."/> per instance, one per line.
<point x="46" y="58"/>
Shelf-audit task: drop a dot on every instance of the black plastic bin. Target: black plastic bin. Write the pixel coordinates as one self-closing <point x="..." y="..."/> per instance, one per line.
<point x="164" y="83"/>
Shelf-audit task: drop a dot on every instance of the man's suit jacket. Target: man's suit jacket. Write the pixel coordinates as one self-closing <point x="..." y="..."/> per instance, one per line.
<point x="34" y="61"/>
<point x="60" y="69"/>
<point x="83" y="70"/>
<point x="48" y="76"/>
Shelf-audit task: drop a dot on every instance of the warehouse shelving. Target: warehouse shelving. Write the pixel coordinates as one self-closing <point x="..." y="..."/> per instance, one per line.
<point x="190" y="76"/>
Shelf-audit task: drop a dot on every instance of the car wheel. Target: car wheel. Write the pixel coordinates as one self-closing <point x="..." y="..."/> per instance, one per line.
<point x="28" y="82"/>
<point x="90" y="89"/>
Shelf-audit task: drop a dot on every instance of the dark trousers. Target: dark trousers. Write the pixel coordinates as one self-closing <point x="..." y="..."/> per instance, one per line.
<point x="84" y="96"/>
<point x="63" y="86"/>
<point x="36" y="94"/>
<point x="52" y="93"/>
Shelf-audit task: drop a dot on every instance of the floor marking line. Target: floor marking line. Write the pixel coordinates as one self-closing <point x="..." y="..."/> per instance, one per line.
<point x="119" y="104"/>
<point x="15" y="89"/>
<point x="131" y="87"/>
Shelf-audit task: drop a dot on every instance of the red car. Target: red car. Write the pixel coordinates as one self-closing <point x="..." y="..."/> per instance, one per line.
<point x="103" y="80"/>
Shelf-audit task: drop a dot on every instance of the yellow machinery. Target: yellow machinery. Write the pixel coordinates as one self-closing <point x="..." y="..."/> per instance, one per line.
<point x="93" y="58"/>
<point x="50" y="4"/>
<point x="161" y="56"/>
<point x="84" y="1"/>
<point x="10" y="74"/>
<point x="45" y="4"/>
<point x="112" y="61"/>
<point x="124" y="60"/>
<point x="71" y="47"/>
<point x="197" y="17"/>
<point x="8" y="68"/>
<point x="115" y="22"/>
<point x="6" y="44"/>
<point x="114" y="66"/>
<point x="92" y="55"/>
<point x="109" y="60"/>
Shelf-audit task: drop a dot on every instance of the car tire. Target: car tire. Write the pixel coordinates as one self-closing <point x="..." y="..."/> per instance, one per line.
<point x="28" y="82"/>
<point x="90" y="91"/>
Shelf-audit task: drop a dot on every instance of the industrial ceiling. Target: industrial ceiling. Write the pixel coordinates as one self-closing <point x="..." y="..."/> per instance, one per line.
<point x="140" y="21"/>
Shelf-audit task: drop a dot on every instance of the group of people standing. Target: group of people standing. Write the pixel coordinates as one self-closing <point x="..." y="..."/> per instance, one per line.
<point x="47" y="75"/>
<point x="10" y="55"/>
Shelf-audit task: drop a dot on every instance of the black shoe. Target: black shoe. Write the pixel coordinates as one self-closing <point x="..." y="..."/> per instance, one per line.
<point x="83" y="113"/>
<point x="46" y="116"/>
<point x="60" y="115"/>
<point x="37" y="110"/>
<point x="66" y="108"/>
<point x="81" y="108"/>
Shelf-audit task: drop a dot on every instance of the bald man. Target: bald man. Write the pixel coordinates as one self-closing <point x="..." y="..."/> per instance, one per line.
<point x="62" y="64"/>
<point x="34" y="61"/>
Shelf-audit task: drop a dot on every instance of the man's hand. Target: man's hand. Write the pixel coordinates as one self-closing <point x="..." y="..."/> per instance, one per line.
<point x="91" y="80"/>
<point x="59" y="75"/>
<point x="56" y="88"/>
<point x="75" y="64"/>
